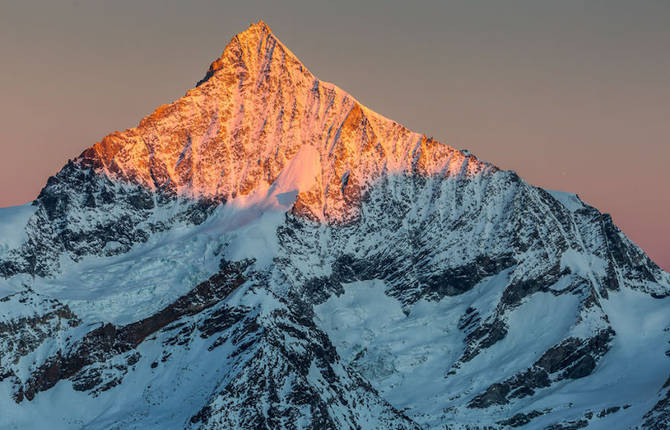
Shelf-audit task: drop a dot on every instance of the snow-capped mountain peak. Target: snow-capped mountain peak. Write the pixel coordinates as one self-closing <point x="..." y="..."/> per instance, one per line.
<point x="255" y="109"/>
<point x="266" y="252"/>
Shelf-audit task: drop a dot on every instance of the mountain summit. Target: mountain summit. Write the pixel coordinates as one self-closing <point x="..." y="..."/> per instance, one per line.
<point x="266" y="252"/>
<point x="254" y="111"/>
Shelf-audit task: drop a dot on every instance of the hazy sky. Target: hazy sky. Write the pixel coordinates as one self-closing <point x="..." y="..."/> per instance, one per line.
<point x="573" y="95"/>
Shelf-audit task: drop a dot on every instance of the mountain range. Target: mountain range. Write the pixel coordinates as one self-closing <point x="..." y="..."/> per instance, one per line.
<point x="267" y="253"/>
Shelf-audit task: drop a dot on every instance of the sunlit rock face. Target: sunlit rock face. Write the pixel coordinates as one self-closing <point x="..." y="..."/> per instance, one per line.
<point x="253" y="111"/>
<point x="266" y="252"/>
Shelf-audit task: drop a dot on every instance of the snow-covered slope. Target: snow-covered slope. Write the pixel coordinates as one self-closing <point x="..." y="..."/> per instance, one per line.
<point x="266" y="252"/>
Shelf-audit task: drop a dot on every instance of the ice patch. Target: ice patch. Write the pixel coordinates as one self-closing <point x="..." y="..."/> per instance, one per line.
<point x="12" y="225"/>
<point x="252" y="220"/>
<point x="569" y="200"/>
<point x="582" y="264"/>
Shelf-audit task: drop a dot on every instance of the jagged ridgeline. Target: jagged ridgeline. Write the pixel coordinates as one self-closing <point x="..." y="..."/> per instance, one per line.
<point x="266" y="252"/>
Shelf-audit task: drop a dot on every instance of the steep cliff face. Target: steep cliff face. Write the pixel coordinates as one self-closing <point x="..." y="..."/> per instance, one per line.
<point x="266" y="252"/>
<point x="254" y="110"/>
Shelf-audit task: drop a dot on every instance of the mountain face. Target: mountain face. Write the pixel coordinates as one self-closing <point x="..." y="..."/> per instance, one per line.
<point x="266" y="252"/>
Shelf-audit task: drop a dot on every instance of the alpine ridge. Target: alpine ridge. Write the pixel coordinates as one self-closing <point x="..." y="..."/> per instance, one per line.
<point x="253" y="111"/>
<point x="266" y="252"/>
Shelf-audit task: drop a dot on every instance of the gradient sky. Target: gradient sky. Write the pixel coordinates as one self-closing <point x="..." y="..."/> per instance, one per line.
<point x="573" y="95"/>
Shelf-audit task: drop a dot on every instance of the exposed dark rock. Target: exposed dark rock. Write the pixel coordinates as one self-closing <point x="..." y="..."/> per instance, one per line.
<point x="141" y="199"/>
<point x="221" y="319"/>
<point x="521" y="385"/>
<point x="458" y="280"/>
<point x="275" y="386"/>
<point x="516" y="291"/>
<point x="108" y="340"/>
<point x="484" y="336"/>
<point x="469" y="319"/>
<point x="573" y="358"/>
<point x="576" y="357"/>
<point x="522" y="419"/>
<point x="82" y="212"/>
<point x="496" y="394"/>
<point x="44" y="319"/>
<point x="608" y="411"/>
<point x="317" y="290"/>
<point x="449" y="282"/>
<point x="582" y="368"/>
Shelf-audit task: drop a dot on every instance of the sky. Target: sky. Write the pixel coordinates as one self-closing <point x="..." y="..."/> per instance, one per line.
<point x="572" y="95"/>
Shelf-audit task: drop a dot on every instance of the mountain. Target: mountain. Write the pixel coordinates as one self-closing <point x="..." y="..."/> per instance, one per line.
<point x="266" y="252"/>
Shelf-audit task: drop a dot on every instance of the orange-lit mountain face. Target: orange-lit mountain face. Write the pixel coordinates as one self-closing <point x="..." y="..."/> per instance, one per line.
<point x="252" y="113"/>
